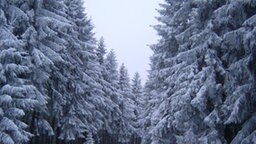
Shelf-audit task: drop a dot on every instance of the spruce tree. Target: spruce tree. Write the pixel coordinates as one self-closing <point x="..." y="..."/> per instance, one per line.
<point x="101" y="51"/>
<point x="137" y="91"/>
<point x="90" y="102"/>
<point x="139" y="104"/>
<point x="239" y="82"/>
<point x="52" y="25"/>
<point x="111" y="76"/>
<point x="111" y="69"/>
<point x="40" y="66"/>
<point x="110" y="109"/>
<point x="126" y="124"/>
<point x="200" y="70"/>
<point x="18" y="95"/>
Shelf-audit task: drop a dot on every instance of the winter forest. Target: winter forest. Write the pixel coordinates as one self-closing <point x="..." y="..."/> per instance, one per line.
<point x="59" y="85"/>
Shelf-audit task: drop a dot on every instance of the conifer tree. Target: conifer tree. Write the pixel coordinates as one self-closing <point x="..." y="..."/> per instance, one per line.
<point x="101" y="51"/>
<point x="51" y="25"/>
<point x="89" y="101"/>
<point x="111" y="69"/>
<point x="40" y="66"/>
<point x="126" y="124"/>
<point x="18" y="96"/>
<point x="137" y="91"/>
<point x="139" y="104"/>
<point x="110" y="109"/>
<point x="193" y="73"/>
<point x="238" y="44"/>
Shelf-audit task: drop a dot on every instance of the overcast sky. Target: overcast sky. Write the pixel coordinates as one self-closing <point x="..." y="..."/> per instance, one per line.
<point x="125" y="26"/>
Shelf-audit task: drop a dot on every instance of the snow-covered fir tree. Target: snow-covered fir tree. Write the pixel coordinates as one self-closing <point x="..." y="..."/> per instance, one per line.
<point x="238" y="47"/>
<point x="111" y="110"/>
<point x="201" y="74"/>
<point x="57" y="85"/>
<point x="18" y="18"/>
<point x="57" y="51"/>
<point x="139" y="104"/>
<point x="82" y="77"/>
<point x="137" y="91"/>
<point x="118" y="127"/>
<point x="19" y="96"/>
<point x="111" y="69"/>
<point x="126" y="123"/>
<point x="101" y="50"/>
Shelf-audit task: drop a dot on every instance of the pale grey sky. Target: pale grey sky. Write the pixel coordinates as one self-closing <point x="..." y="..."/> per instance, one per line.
<point x="125" y="26"/>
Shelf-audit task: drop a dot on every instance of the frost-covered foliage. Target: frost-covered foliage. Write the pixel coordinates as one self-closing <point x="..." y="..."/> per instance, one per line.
<point x="19" y="97"/>
<point x="119" y="119"/>
<point x="110" y="109"/>
<point x="101" y="51"/>
<point x="126" y="124"/>
<point x="89" y="139"/>
<point x="139" y="104"/>
<point x="201" y="83"/>
<point x="111" y="75"/>
<point x="137" y="91"/>
<point x="55" y="86"/>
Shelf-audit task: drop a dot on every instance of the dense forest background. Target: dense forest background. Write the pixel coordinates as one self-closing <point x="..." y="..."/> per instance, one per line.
<point x="59" y="85"/>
